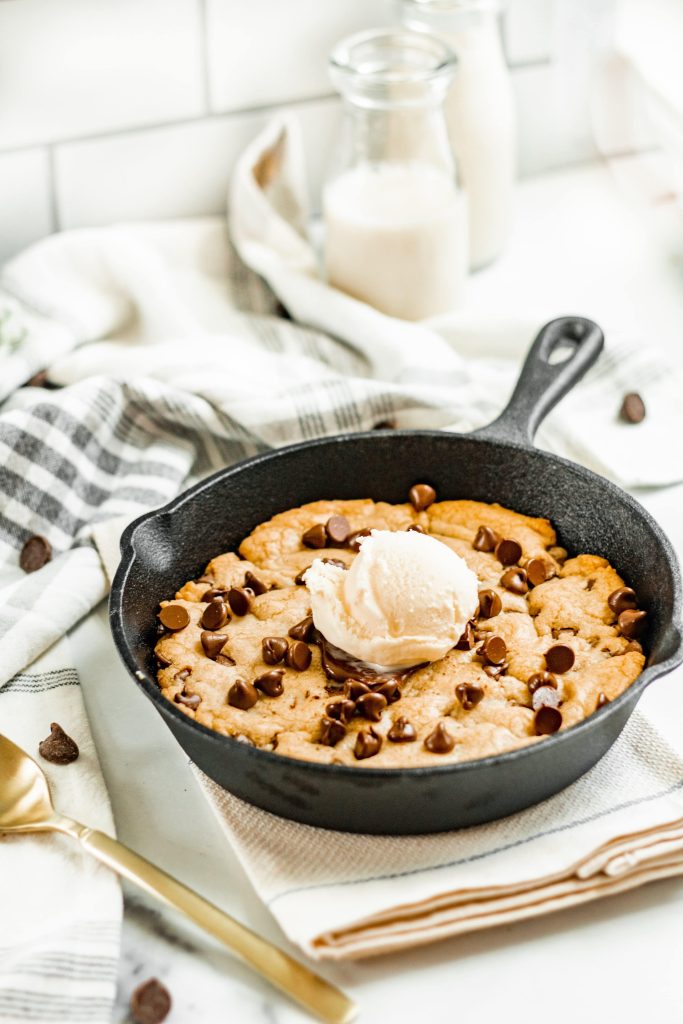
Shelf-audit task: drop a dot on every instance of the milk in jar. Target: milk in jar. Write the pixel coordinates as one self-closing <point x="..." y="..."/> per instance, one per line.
<point x="395" y="220"/>
<point x="396" y="238"/>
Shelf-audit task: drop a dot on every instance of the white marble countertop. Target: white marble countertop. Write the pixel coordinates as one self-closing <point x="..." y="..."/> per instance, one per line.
<point x="578" y="247"/>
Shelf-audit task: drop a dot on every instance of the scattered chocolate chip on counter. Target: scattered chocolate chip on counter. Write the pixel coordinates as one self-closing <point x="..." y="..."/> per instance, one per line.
<point x="150" y="1003"/>
<point x="632" y="408"/>
<point x="36" y="552"/>
<point x="58" y="748"/>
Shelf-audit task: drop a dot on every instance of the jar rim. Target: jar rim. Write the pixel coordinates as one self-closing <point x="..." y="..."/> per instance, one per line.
<point x="438" y="60"/>
<point x="454" y="6"/>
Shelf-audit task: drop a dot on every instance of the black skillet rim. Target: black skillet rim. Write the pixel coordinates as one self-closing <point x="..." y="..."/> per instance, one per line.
<point x="647" y="676"/>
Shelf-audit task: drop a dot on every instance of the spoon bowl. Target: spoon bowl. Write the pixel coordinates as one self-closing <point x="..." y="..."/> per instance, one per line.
<point x="25" y="804"/>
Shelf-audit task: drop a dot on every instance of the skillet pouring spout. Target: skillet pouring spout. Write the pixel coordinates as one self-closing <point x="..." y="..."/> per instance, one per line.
<point x="166" y="547"/>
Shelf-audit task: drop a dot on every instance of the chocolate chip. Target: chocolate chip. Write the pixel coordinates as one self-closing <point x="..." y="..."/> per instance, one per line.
<point x="270" y="683"/>
<point x="35" y="553"/>
<point x="255" y="584"/>
<point x="623" y="599"/>
<point x="469" y="695"/>
<point x="181" y="676"/>
<point x="541" y="679"/>
<point x="215" y="614"/>
<point x="224" y="659"/>
<point x="162" y="659"/>
<point x="494" y="650"/>
<point x="174" y="617"/>
<point x="354" y="688"/>
<point x="384" y="425"/>
<point x="371" y="705"/>
<point x="331" y="731"/>
<point x="538" y="570"/>
<point x="334" y="561"/>
<point x="402" y="732"/>
<point x="466" y="641"/>
<point x="515" y="580"/>
<point x="189" y="700"/>
<point x="545" y="697"/>
<point x="421" y="496"/>
<point x="242" y="695"/>
<point x="298" y="655"/>
<point x="390" y="689"/>
<point x="547" y="721"/>
<point x="342" y="710"/>
<point x="508" y="552"/>
<point x="58" y="748"/>
<point x="355" y="540"/>
<point x="212" y="593"/>
<point x="299" y="578"/>
<point x="150" y="1003"/>
<point x="495" y="671"/>
<point x="590" y="584"/>
<point x="490" y="604"/>
<point x="485" y="539"/>
<point x="602" y="700"/>
<point x="273" y="649"/>
<point x="440" y="740"/>
<point x="559" y="658"/>
<point x="367" y="744"/>
<point x="303" y="630"/>
<point x="213" y="643"/>
<point x="631" y="623"/>
<point x="239" y="600"/>
<point x="415" y="528"/>
<point x="315" y="537"/>
<point x="632" y="408"/>
<point x="337" y="529"/>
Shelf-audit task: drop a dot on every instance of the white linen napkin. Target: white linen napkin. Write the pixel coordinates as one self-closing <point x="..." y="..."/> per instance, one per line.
<point x="61" y="911"/>
<point x="268" y="221"/>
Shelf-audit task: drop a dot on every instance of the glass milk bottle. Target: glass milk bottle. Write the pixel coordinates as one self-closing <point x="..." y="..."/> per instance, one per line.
<point x="395" y="220"/>
<point x="480" y="113"/>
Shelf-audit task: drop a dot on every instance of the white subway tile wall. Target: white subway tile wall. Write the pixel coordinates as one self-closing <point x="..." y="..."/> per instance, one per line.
<point x="117" y="110"/>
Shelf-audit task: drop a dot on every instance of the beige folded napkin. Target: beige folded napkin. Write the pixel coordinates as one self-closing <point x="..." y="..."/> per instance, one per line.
<point x="342" y="896"/>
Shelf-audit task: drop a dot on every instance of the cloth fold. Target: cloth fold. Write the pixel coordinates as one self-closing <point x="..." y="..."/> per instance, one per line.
<point x="344" y="896"/>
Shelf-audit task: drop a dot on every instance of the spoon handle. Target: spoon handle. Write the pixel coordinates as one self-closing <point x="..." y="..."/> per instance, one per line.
<point x="320" y="998"/>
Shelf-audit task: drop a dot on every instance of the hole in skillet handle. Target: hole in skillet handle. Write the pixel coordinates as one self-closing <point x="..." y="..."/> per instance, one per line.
<point x="560" y="355"/>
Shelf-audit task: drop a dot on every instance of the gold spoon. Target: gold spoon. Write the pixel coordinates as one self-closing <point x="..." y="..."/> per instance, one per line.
<point x="25" y="806"/>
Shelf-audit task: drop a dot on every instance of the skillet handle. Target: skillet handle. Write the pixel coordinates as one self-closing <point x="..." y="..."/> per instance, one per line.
<point x="543" y="383"/>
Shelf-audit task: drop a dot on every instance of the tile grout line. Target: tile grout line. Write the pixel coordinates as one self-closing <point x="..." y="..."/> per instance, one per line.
<point x="52" y="189"/>
<point x="210" y="114"/>
<point x="213" y="115"/>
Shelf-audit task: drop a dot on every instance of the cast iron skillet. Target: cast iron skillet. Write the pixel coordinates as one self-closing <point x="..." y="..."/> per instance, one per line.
<point x="498" y="463"/>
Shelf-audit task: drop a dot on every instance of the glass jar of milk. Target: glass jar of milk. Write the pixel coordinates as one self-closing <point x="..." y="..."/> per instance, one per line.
<point x="480" y="113"/>
<point x="395" y="220"/>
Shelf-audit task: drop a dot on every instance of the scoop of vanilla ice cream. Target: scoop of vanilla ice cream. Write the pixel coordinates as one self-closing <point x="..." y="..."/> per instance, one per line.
<point x="405" y="600"/>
